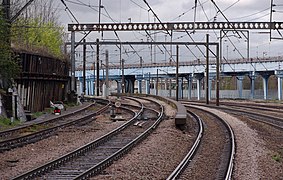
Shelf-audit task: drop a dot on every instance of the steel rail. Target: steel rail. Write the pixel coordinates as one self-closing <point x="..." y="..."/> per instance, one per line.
<point x="96" y="169"/>
<point x="229" y="170"/>
<point x="36" y="136"/>
<point x="76" y="153"/>
<point x="184" y="163"/>
<point x="277" y="122"/>
<point x="54" y="119"/>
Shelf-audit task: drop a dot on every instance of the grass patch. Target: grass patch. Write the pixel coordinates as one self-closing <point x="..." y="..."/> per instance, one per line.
<point x="37" y="114"/>
<point x="70" y="105"/>
<point x="5" y="123"/>
<point x="278" y="156"/>
<point x="34" y="128"/>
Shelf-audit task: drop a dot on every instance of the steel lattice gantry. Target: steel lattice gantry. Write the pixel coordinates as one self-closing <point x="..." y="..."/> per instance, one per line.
<point x="176" y="26"/>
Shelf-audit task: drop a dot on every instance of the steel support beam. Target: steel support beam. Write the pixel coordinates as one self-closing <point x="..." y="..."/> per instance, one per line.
<point x="177" y="26"/>
<point x="143" y="43"/>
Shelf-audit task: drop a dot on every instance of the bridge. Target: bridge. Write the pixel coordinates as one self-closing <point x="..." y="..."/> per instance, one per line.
<point x="142" y="75"/>
<point x="145" y="78"/>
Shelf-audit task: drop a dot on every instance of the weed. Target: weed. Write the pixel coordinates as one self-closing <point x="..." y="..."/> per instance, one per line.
<point x="6" y="123"/>
<point x="37" y="114"/>
<point x="278" y="155"/>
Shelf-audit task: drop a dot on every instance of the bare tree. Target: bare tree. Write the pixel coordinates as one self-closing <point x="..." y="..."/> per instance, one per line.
<point x="43" y="10"/>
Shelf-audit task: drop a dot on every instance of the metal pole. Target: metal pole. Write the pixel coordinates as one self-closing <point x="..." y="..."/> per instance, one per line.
<point x="73" y="61"/>
<point x="99" y="12"/>
<point x="157" y="82"/>
<point x="84" y="67"/>
<point x="93" y="76"/>
<point x="123" y="77"/>
<point x="97" y="67"/>
<point x="207" y="70"/>
<point x="141" y="65"/>
<point x="248" y="44"/>
<point x="107" y="72"/>
<point x="217" y="75"/>
<point x="221" y="49"/>
<point x="177" y="73"/>
<point x="271" y="13"/>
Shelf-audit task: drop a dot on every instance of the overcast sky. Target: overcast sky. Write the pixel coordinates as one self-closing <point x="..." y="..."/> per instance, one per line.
<point x="86" y="11"/>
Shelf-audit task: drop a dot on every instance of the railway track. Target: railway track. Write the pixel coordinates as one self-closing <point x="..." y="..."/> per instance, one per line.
<point x="184" y="163"/>
<point x="31" y="133"/>
<point x="251" y="112"/>
<point x="223" y="168"/>
<point x="97" y="155"/>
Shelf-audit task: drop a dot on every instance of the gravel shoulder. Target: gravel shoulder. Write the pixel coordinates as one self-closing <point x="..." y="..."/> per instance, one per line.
<point x="158" y="155"/>
<point x="254" y="149"/>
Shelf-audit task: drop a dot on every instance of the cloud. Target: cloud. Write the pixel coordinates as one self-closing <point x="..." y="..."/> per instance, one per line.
<point x="179" y="10"/>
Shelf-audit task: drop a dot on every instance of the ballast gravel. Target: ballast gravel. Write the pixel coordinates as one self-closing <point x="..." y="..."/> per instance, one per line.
<point x="156" y="156"/>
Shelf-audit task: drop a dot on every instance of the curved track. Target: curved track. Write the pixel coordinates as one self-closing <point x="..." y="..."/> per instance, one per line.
<point x="184" y="163"/>
<point x="258" y="114"/>
<point x="225" y="152"/>
<point x="97" y="155"/>
<point x="36" y="131"/>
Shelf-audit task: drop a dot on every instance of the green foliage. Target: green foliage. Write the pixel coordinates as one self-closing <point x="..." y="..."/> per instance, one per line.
<point x="46" y="37"/>
<point x="6" y="123"/>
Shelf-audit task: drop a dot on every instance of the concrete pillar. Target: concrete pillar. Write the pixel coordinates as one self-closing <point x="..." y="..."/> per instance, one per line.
<point x="119" y="86"/>
<point x="279" y="74"/>
<point x="209" y="87"/>
<point x="140" y="86"/>
<point x="92" y="87"/>
<point x="165" y="84"/>
<point x="212" y="76"/>
<point x="199" y="77"/>
<point x="170" y="87"/>
<point x="189" y="79"/>
<point x="156" y="87"/>
<point x="265" y="86"/>
<point x="180" y="84"/>
<point x="131" y="86"/>
<point x="165" y="87"/>
<point x="88" y="87"/>
<point x="252" y="77"/>
<point x="279" y="79"/>
<point x="199" y="88"/>
<point x="81" y="88"/>
<point x="240" y="86"/>
<point x="147" y="86"/>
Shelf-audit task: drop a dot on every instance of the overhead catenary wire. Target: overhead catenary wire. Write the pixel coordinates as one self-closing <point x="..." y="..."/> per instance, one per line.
<point x="67" y="8"/>
<point x="170" y="34"/>
<point x="250" y="15"/>
<point x="219" y="10"/>
<point x="138" y="5"/>
<point x="155" y="15"/>
<point x="89" y="6"/>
